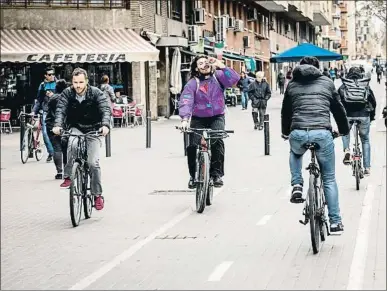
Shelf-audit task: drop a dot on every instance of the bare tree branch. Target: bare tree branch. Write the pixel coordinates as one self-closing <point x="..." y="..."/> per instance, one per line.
<point x="376" y="8"/>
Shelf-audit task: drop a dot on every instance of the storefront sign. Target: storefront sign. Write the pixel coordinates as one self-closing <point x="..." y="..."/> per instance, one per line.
<point x="76" y="58"/>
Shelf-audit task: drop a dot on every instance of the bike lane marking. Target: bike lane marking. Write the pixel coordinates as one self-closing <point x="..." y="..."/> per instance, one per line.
<point x="128" y="253"/>
<point x="219" y="271"/>
<point x="264" y="220"/>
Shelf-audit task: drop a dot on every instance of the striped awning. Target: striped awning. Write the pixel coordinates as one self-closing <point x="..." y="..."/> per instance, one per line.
<point x="75" y="46"/>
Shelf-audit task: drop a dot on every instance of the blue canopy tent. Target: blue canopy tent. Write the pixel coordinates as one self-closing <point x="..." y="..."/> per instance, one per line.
<point x="295" y="54"/>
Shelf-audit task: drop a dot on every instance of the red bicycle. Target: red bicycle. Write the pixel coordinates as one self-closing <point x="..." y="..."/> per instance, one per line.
<point x="31" y="145"/>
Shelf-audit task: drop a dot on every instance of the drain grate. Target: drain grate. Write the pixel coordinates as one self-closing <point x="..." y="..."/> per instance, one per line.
<point x="172" y="192"/>
<point x="176" y="237"/>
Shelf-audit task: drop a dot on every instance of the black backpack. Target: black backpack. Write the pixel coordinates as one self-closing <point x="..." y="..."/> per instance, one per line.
<point x="356" y="91"/>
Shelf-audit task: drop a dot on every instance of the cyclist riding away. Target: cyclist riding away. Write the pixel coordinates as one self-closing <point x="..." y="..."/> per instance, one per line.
<point x="84" y="108"/>
<point x="307" y="103"/>
<point x="364" y="111"/>
<point x="202" y="100"/>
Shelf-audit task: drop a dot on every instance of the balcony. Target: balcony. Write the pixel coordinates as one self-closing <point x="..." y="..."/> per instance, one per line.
<point x="343" y="7"/>
<point x="321" y="17"/>
<point x="299" y="11"/>
<point x="274" y="6"/>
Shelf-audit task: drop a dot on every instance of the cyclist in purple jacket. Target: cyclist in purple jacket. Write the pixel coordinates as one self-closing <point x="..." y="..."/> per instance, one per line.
<point x="202" y="100"/>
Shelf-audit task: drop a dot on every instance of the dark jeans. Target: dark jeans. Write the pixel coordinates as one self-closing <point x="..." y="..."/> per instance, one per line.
<point x="258" y="113"/>
<point x="217" y="145"/>
<point x="60" y="151"/>
<point x="281" y="88"/>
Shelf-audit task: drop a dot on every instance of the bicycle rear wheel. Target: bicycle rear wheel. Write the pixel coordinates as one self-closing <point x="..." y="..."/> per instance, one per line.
<point x="87" y="197"/>
<point x="356" y="159"/>
<point x="323" y="226"/>
<point x="357" y="174"/>
<point x="76" y="189"/>
<point x="312" y="209"/>
<point x="26" y="146"/>
<point x="203" y="181"/>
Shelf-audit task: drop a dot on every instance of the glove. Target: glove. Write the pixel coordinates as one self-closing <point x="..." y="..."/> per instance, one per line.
<point x="104" y="130"/>
<point x="184" y="125"/>
<point x="57" y="130"/>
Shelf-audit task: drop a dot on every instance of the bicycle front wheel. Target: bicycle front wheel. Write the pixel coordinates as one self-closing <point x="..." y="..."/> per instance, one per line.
<point x="312" y="209"/>
<point x="26" y="146"/>
<point x="87" y="198"/>
<point x="203" y="181"/>
<point x="75" y="196"/>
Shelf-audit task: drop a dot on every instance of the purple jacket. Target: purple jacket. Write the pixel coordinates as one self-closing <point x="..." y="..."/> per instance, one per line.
<point x="209" y="99"/>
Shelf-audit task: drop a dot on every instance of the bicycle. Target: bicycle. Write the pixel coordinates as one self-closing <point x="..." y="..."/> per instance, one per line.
<point x="358" y="172"/>
<point x="30" y="144"/>
<point x="79" y="192"/>
<point x="204" y="184"/>
<point x="314" y="209"/>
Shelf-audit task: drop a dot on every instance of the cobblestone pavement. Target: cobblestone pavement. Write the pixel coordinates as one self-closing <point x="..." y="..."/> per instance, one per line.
<point x="249" y="239"/>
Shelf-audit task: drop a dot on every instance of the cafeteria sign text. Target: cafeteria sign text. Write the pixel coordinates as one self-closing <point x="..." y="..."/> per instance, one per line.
<point x="79" y="58"/>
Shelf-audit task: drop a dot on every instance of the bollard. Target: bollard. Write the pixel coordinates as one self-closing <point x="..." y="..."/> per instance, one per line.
<point x="185" y="142"/>
<point x="266" y="134"/>
<point x="108" y="145"/>
<point x="148" y="129"/>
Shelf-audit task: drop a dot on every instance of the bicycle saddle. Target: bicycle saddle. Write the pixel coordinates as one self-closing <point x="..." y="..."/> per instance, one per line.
<point x="311" y="146"/>
<point x="354" y="121"/>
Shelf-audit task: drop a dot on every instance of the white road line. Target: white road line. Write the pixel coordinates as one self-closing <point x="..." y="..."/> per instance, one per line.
<point x="86" y="282"/>
<point x="219" y="271"/>
<point x="264" y="220"/>
<point x="357" y="268"/>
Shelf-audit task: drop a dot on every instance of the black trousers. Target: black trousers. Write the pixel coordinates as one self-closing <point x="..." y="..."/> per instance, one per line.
<point x="60" y="151"/>
<point x="281" y="87"/>
<point x="217" y="145"/>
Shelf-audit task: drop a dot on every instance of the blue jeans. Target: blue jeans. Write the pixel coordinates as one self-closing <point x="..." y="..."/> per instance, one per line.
<point x="46" y="138"/>
<point x="363" y="130"/>
<point x="326" y="160"/>
<point x="244" y="100"/>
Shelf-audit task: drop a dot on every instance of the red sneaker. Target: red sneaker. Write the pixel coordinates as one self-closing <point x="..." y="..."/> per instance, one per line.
<point x="66" y="183"/>
<point x="99" y="202"/>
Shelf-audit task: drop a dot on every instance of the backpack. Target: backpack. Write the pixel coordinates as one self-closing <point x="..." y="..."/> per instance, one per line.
<point x="356" y="91"/>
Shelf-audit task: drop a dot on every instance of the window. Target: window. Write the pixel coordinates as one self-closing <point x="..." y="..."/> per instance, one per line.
<point x="189" y="11"/>
<point x="235" y="10"/>
<point x="204" y="5"/>
<point x="227" y="7"/>
<point x="222" y="7"/>
<point x="158" y="5"/>
<point x="216" y="8"/>
<point x="176" y="9"/>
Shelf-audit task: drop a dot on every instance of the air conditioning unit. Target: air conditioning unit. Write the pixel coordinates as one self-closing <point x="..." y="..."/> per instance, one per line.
<point x="239" y="27"/>
<point x="246" y="42"/>
<point x="252" y="14"/>
<point x="199" y="16"/>
<point x="193" y="34"/>
<point x="220" y="24"/>
<point x="232" y="22"/>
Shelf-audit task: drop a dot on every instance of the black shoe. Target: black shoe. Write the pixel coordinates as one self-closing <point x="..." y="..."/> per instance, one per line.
<point x="336" y="228"/>
<point x="191" y="183"/>
<point x="59" y="176"/>
<point x="347" y="160"/>
<point x="296" y="194"/>
<point x="261" y="127"/>
<point x="49" y="158"/>
<point x="255" y="127"/>
<point x="217" y="182"/>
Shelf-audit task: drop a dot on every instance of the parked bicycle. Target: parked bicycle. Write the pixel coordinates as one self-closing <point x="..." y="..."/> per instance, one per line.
<point x="79" y="192"/>
<point x="314" y="209"/>
<point x="202" y="180"/>
<point x="30" y="145"/>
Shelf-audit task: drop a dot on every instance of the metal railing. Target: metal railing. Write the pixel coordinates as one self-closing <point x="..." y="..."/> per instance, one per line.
<point x="78" y="4"/>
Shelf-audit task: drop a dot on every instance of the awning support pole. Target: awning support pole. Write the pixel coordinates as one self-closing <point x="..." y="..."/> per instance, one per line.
<point x="148" y="107"/>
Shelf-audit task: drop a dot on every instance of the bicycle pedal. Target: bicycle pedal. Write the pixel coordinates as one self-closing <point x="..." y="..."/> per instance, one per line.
<point x="304" y="222"/>
<point x="297" y="200"/>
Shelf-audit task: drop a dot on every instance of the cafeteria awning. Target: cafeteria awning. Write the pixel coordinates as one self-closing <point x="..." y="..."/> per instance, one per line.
<point x="75" y="46"/>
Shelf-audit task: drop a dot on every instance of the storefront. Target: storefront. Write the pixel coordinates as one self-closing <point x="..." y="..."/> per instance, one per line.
<point x="24" y="61"/>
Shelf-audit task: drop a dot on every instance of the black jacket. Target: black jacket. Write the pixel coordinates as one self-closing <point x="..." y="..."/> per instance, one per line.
<point x="357" y="110"/>
<point x="281" y="79"/>
<point x="259" y="93"/>
<point x="308" y="101"/>
<point x="51" y="110"/>
<point x="89" y="115"/>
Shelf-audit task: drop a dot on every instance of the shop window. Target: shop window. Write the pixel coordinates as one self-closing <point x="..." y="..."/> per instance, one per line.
<point x="176" y="9"/>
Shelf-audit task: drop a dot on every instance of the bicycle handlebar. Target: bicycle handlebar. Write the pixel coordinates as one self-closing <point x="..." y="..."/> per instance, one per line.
<point x="65" y="133"/>
<point x="33" y="115"/>
<point x="205" y="129"/>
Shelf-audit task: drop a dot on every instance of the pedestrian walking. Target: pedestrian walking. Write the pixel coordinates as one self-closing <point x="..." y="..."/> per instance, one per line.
<point x="46" y="89"/>
<point x="288" y="77"/>
<point x="326" y="72"/>
<point x="59" y="144"/>
<point x="281" y="81"/>
<point x="243" y="84"/>
<point x="379" y="72"/>
<point x="259" y="93"/>
<point x="332" y="74"/>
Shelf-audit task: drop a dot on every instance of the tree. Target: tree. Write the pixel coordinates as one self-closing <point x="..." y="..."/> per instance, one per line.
<point x="376" y="8"/>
